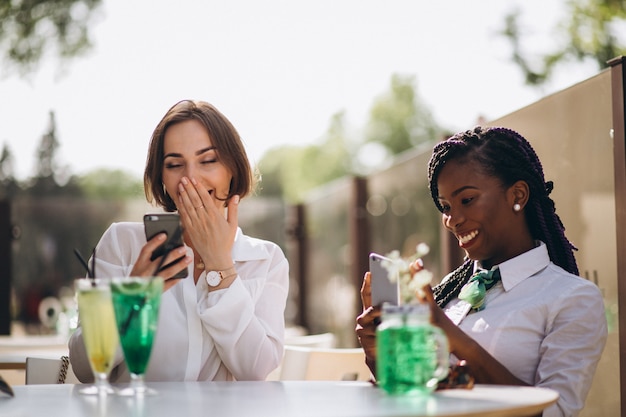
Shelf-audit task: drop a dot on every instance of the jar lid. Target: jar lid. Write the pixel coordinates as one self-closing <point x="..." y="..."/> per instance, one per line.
<point x="417" y="308"/>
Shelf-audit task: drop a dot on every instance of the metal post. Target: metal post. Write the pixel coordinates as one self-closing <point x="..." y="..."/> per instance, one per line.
<point x="359" y="234"/>
<point x="298" y="257"/>
<point x="618" y="85"/>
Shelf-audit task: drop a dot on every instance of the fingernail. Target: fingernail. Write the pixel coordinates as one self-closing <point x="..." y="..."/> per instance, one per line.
<point x="236" y="199"/>
<point x="193" y="181"/>
<point x="184" y="181"/>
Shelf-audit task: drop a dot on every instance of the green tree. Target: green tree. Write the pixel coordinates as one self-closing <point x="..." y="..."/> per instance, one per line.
<point x="399" y="120"/>
<point x="30" y="28"/>
<point x="50" y="178"/>
<point x="292" y="171"/>
<point x="590" y="33"/>
<point x="8" y="184"/>
<point x="47" y="150"/>
<point x="111" y="184"/>
<point x="6" y="164"/>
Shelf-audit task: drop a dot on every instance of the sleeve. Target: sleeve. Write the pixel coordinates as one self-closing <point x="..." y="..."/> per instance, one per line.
<point x="111" y="260"/>
<point x="575" y="339"/>
<point x="247" y="320"/>
<point x="78" y="357"/>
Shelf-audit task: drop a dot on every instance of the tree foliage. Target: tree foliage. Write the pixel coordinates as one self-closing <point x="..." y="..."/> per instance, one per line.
<point x="30" y="28"/>
<point x="47" y="150"/>
<point x="51" y="178"/>
<point x="8" y="183"/>
<point x="6" y="164"/>
<point x="291" y="171"/>
<point x="111" y="184"/>
<point x="591" y="33"/>
<point x="54" y="179"/>
<point x="399" y="120"/>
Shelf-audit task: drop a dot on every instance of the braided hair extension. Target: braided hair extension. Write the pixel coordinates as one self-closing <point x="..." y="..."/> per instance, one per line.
<point x="505" y="154"/>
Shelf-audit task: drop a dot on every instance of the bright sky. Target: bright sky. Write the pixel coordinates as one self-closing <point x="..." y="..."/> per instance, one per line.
<point x="278" y="69"/>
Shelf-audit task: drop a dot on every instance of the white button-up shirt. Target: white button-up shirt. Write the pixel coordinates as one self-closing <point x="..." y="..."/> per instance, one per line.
<point x="235" y="333"/>
<point x="547" y="326"/>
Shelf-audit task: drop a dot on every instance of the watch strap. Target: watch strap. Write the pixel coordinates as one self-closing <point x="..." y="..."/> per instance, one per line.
<point x="227" y="273"/>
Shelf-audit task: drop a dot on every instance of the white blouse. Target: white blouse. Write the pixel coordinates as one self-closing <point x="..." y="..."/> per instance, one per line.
<point x="545" y="325"/>
<point x="235" y="333"/>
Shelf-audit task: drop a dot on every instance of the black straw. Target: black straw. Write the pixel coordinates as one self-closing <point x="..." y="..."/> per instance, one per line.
<point x="83" y="262"/>
<point x="93" y="263"/>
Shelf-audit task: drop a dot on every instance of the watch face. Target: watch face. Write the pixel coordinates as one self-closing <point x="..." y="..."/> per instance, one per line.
<point x="213" y="278"/>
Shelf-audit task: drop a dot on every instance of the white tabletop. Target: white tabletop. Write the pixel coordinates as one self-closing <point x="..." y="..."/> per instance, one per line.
<point x="277" y="399"/>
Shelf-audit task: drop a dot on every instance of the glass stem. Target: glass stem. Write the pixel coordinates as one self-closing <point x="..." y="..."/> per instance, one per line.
<point x="101" y="383"/>
<point x="137" y="383"/>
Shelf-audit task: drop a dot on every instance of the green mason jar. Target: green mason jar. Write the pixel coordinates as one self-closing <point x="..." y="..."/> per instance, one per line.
<point x="412" y="355"/>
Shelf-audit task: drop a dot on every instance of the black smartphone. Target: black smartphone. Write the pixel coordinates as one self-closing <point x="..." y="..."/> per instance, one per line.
<point x="383" y="290"/>
<point x="168" y="223"/>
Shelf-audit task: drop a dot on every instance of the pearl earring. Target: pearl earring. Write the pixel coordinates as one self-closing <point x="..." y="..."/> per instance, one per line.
<point x="516" y="207"/>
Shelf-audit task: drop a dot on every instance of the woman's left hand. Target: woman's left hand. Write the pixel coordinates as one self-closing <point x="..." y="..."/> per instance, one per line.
<point x="211" y="234"/>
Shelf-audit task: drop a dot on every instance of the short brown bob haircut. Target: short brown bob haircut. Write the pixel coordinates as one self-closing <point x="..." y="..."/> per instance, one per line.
<point x="225" y="138"/>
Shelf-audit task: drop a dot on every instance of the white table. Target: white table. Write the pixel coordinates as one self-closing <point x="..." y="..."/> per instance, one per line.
<point x="278" y="399"/>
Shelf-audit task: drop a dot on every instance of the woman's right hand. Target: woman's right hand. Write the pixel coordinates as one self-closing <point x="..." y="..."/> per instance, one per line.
<point x="144" y="267"/>
<point x="367" y="322"/>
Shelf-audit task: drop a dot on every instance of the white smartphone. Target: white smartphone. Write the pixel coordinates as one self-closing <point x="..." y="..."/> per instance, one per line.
<point x="383" y="290"/>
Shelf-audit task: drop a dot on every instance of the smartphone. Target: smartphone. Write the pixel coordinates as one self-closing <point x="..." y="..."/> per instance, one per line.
<point x="383" y="290"/>
<point x="168" y="223"/>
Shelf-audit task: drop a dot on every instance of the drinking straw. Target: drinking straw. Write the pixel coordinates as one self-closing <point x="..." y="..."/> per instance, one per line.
<point x="90" y="271"/>
<point x="93" y="263"/>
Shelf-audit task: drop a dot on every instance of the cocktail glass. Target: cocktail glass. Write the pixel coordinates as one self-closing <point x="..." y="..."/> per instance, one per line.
<point x="99" y="330"/>
<point x="136" y="303"/>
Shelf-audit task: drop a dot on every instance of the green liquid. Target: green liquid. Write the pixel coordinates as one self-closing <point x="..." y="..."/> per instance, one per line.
<point x="406" y="359"/>
<point x="136" y="305"/>
<point x="98" y="327"/>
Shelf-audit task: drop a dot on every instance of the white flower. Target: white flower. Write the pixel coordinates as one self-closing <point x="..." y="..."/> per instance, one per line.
<point x="398" y="269"/>
<point x="421" y="249"/>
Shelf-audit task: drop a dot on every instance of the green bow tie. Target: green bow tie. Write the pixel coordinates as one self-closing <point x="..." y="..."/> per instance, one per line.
<point x="474" y="291"/>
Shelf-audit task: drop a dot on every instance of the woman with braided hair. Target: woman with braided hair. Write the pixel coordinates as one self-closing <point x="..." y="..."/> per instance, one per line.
<point x="532" y="320"/>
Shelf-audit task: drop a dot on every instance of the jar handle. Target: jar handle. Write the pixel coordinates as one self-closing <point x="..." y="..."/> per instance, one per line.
<point x="443" y="354"/>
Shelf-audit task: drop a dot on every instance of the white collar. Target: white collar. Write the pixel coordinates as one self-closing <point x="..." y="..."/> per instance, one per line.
<point x="517" y="269"/>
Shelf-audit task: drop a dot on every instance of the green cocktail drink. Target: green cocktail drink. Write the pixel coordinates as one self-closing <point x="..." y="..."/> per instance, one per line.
<point x="136" y="302"/>
<point x="99" y="329"/>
